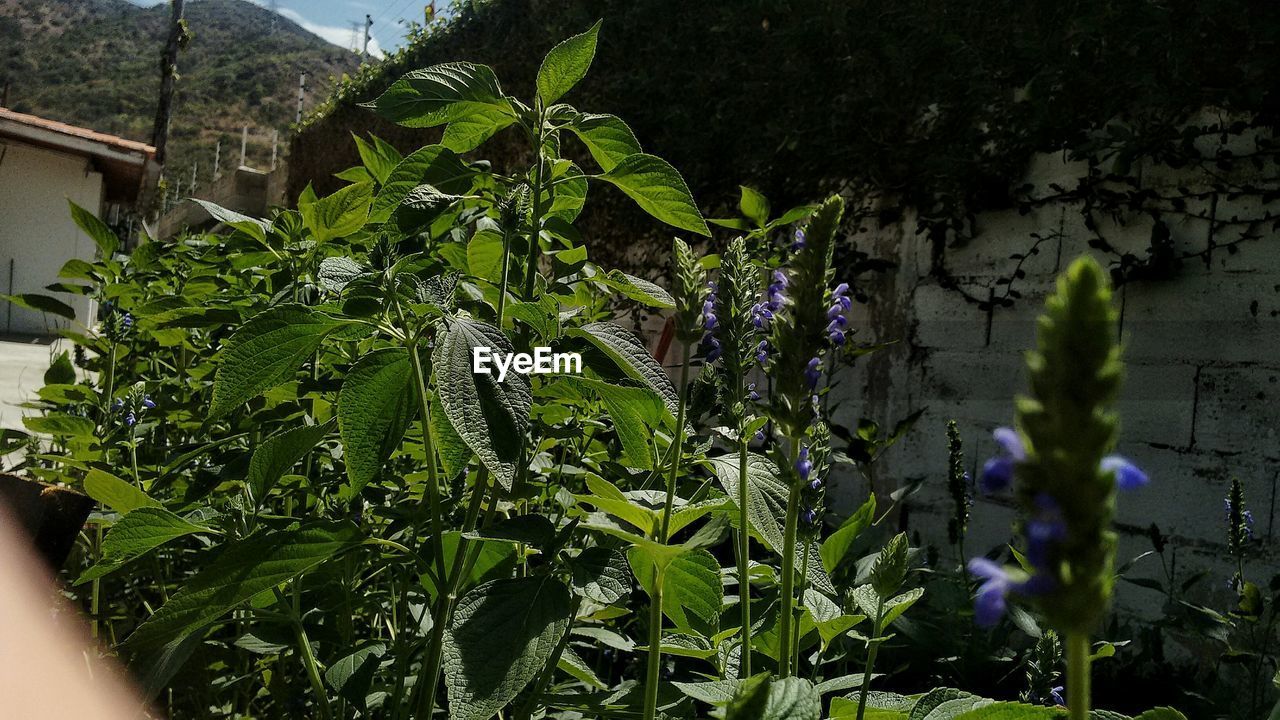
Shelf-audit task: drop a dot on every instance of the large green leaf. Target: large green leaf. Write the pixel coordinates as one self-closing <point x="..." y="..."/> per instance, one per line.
<point x="636" y="413"/>
<point x="60" y="425"/>
<point x="339" y="214"/>
<point x="1007" y="711"/>
<point x="766" y="494"/>
<point x="267" y="351"/>
<point x="484" y="255"/>
<point x="659" y="190"/>
<point x="441" y="94"/>
<point x="836" y="547"/>
<point x="600" y="575"/>
<point x="630" y="355"/>
<point x="278" y="453"/>
<point x="434" y="165"/>
<point x="690" y="584"/>
<point x="566" y="64"/>
<point x="491" y="417"/>
<point x="502" y="635"/>
<point x="607" y="137"/>
<point x="351" y="674"/>
<point x="640" y="290"/>
<point x="377" y="402"/>
<point x="469" y="131"/>
<point x="103" y="236"/>
<point x="493" y="560"/>
<point x="253" y="227"/>
<point x="245" y="569"/>
<point x="1161" y="713"/>
<point x="378" y="157"/>
<point x="782" y="699"/>
<point x="42" y="303"/>
<point x="119" y="495"/>
<point x="136" y="534"/>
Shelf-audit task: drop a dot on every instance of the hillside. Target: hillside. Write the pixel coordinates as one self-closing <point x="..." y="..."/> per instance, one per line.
<point x="95" y="63"/>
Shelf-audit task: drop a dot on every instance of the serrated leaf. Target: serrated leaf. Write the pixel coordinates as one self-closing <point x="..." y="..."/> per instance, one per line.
<point x="104" y="237"/>
<point x="139" y="532"/>
<point x="608" y="498"/>
<point x="378" y="157"/>
<point x="336" y="272"/>
<point x="441" y="94"/>
<point x="607" y="137"/>
<point x="640" y="290"/>
<point x="784" y="699"/>
<point x="712" y="692"/>
<point x="753" y="205"/>
<point x="265" y="352"/>
<point x="566" y="64"/>
<point x="600" y="575"/>
<point x="835" y="548"/>
<point x="377" y="403"/>
<point x="767" y="494"/>
<point x="340" y="214"/>
<point x="119" y="495"/>
<point x="60" y="425"/>
<point x="490" y="417"/>
<point x="278" y="453"/>
<point x="468" y="132"/>
<point x="659" y="190"/>
<point x="484" y="255"/>
<point x="630" y="355"/>
<point x="573" y="664"/>
<point x="253" y="227"/>
<point x="690" y="585"/>
<point x="433" y="165"/>
<point x="636" y="413"/>
<point x="502" y="635"/>
<point x="1161" y="713"/>
<point x="245" y="569"/>
<point x="351" y="674"/>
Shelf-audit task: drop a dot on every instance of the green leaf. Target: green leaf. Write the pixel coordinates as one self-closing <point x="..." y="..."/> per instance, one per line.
<point x="1007" y="711"/>
<point x="502" y="635"/>
<point x="245" y="569"/>
<point x="493" y="560"/>
<point x="441" y="94"/>
<point x="835" y="548"/>
<point x="103" y="236"/>
<point x="469" y="131"/>
<point x="421" y="207"/>
<point x="640" y="290"/>
<point x="753" y="205"/>
<point x="712" y="692"/>
<point x="1161" y="713"/>
<point x="659" y="190"/>
<point x="573" y="664"/>
<point x="543" y="316"/>
<point x="61" y="371"/>
<point x="351" y="675"/>
<point x="767" y="495"/>
<point x="600" y="575"/>
<point x="690" y="584"/>
<point x="337" y="272"/>
<point x="253" y="227"/>
<point x="136" y="534"/>
<point x="339" y="214"/>
<point x="378" y="157"/>
<point x="783" y="699"/>
<point x="453" y="451"/>
<point x="434" y="165"/>
<point x="60" y="425"/>
<point x="566" y="64"/>
<point x="484" y="255"/>
<point x="567" y="200"/>
<point x="608" y="498"/>
<point x="377" y="402"/>
<point x="749" y="699"/>
<point x="607" y="137"/>
<point x="636" y="413"/>
<point x="490" y="417"/>
<point x="898" y="604"/>
<point x="630" y="355"/>
<point x="42" y="303"/>
<point x="265" y="352"/>
<point x="535" y="530"/>
<point x="827" y="616"/>
<point x="119" y="495"/>
<point x="278" y="453"/>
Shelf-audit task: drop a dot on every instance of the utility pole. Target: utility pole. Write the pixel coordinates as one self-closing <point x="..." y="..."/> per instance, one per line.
<point x="302" y="94"/>
<point x="168" y="75"/>
<point x="217" y="159"/>
<point x="194" y="167"/>
<point x="275" y="146"/>
<point x="368" y="24"/>
<point x="244" y="144"/>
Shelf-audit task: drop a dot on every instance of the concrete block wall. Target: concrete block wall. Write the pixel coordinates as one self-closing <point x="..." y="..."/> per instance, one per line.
<point x="1201" y="400"/>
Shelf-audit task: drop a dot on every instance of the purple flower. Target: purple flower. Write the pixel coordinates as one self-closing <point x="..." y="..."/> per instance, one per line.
<point x="761" y="315"/>
<point x="813" y="373"/>
<point x="1056" y="694"/>
<point x="1128" y="476"/>
<point x="810" y="516"/>
<point x="127" y="321"/>
<point x="148" y="403"/>
<point x="803" y="465"/>
<point x="762" y="352"/>
<point x="799" y="242"/>
<point x="117" y="404"/>
<point x="840" y="303"/>
<point x="130" y="419"/>
<point x="752" y="395"/>
<point x="1248" y="523"/>
<point x="815" y="483"/>
<point x="997" y="472"/>
<point x="713" y="347"/>
<point x="759" y="436"/>
<point x="990" y="603"/>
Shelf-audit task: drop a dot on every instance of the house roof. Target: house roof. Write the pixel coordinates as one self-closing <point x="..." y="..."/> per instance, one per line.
<point x="126" y="165"/>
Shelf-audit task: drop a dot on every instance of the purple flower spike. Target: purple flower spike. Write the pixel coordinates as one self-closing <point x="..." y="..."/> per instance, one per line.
<point x="813" y="373"/>
<point x="148" y="403"/>
<point x="1128" y="475"/>
<point x="130" y="419"/>
<point x="1010" y="443"/>
<point x="799" y="242"/>
<point x="837" y="338"/>
<point x="990" y="603"/>
<point x="997" y="475"/>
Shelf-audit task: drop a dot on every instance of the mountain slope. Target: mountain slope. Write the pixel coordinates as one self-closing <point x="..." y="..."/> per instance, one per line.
<point x="96" y="63"/>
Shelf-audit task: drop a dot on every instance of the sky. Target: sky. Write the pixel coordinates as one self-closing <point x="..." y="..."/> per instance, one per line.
<point x="332" y="19"/>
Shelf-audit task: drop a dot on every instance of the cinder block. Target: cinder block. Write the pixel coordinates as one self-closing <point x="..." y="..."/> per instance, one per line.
<point x="1238" y="410"/>
<point x="1203" y="318"/>
<point x="1157" y="404"/>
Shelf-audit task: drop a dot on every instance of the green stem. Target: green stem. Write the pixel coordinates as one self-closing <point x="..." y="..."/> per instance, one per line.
<point x="873" y="647"/>
<point x="1078" y="675"/>
<point x="308" y="657"/>
<point x="804" y="584"/>
<point x="789" y="566"/>
<point x="744" y="562"/>
<point x="531" y="267"/>
<point x="677" y="445"/>
<point x="653" y="672"/>
<point x="96" y="590"/>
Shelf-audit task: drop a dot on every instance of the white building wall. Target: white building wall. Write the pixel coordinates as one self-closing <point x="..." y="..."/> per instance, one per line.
<point x="1201" y="400"/>
<point x="37" y="233"/>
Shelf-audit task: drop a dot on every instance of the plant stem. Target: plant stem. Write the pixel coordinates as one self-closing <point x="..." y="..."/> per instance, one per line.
<point x="804" y="584"/>
<point x="1078" y="675"/>
<point x="655" y="647"/>
<point x="677" y="447"/>
<point x="789" y="567"/>
<point x="873" y="647"/>
<point x="96" y="589"/>
<point x="313" y="669"/>
<point x="744" y="562"/>
<point x="535" y="217"/>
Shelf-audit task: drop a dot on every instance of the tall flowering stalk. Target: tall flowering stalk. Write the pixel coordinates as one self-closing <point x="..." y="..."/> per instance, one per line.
<point x="959" y="487"/>
<point x="733" y="319"/>
<point x="807" y="322"/>
<point x="1066" y="481"/>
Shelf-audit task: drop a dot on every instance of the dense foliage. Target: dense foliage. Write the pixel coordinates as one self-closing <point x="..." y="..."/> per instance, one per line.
<point x="96" y="64"/>
<point x="315" y="504"/>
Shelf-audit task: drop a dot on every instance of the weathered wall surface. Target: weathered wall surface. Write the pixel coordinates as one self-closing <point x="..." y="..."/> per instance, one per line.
<point x="1201" y="401"/>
